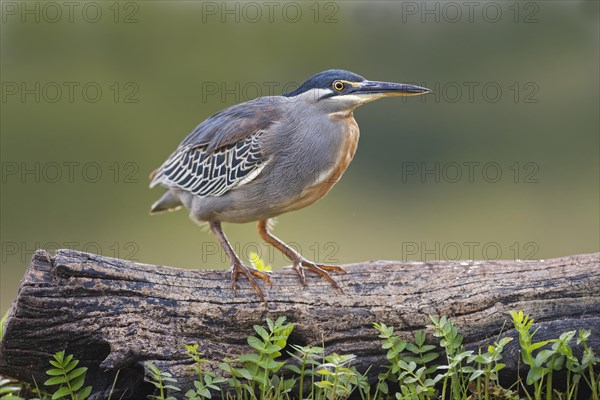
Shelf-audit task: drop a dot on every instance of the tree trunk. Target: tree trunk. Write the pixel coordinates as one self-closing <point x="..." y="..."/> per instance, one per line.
<point x="117" y="315"/>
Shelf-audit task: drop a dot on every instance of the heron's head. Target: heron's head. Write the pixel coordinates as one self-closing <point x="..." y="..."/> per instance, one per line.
<point x="340" y="90"/>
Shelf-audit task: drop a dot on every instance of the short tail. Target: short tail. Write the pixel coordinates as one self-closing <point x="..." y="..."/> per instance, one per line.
<point x="169" y="201"/>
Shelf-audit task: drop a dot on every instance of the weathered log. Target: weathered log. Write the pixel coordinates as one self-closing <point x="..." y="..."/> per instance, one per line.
<point x="117" y="315"/>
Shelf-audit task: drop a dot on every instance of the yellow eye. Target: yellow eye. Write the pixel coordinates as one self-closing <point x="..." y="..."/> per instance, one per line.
<point x="338" y="85"/>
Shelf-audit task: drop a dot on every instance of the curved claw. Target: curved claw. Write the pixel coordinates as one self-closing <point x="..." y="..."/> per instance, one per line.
<point x="298" y="268"/>
<point x="249" y="273"/>
<point x="300" y="264"/>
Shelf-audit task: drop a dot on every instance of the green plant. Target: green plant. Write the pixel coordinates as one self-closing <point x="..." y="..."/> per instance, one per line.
<point x="549" y="356"/>
<point x="306" y="357"/>
<point x="3" y="323"/>
<point x="454" y="380"/>
<point x="423" y="353"/>
<point x="409" y="371"/>
<point x="588" y="361"/>
<point x="163" y="381"/>
<point x="10" y="390"/>
<point x="544" y="362"/>
<point x="206" y="379"/>
<point x="69" y="378"/>
<point x="237" y="377"/>
<point x="259" y="369"/>
<point x="483" y="378"/>
<point x="337" y="380"/>
<point x="465" y="375"/>
<point x="112" y="388"/>
<point x="42" y="395"/>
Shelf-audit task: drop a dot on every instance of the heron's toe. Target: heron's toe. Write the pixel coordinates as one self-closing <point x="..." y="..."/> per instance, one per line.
<point x="317" y="268"/>
<point x="249" y="273"/>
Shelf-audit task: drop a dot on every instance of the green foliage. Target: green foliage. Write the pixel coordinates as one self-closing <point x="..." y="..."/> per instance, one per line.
<point x="451" y="341"/>
<point x="410" y="371"/>
<point x="206" y="379"/>
<point x="3" y="323"/>
<point x="9" y="389"/>
<point x="163" y="381"/>
<point x="474" y="375"/>
<point x="69" y="378"/>
<point x="586" y="367"/>
<point x="483" y="372"/>
<point x="338" y="381"/>
<point x="307" y="359"/>
<point x="415" y="368"/>
<point x="258" y="371"/>
<point x="546" y="357"/>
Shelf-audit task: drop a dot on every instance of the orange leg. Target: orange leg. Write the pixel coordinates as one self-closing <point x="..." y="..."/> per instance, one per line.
<point x="299" y="263"/>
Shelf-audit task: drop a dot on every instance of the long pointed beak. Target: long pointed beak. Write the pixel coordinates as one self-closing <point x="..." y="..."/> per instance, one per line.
<point x="381" y="89"/>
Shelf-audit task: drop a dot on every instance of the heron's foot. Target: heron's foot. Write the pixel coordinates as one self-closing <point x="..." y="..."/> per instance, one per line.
<point x="300" y="264"/>
<point x="250" y="273"/>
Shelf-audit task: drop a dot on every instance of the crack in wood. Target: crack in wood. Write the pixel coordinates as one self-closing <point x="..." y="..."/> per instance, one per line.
<point x="120" y="314"/>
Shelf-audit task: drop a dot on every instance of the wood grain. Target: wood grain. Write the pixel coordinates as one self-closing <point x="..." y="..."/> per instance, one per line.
<point x="115" y="314"/>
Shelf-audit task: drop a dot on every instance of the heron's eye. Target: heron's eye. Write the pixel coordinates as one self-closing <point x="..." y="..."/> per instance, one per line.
<point x="338" y="85"/>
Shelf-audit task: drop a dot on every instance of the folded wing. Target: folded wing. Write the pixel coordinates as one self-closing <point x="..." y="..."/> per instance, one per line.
<point x="222" y="152"/>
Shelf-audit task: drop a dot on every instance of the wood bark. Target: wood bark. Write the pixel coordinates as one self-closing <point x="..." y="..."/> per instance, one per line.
<point x="118" y="315"/>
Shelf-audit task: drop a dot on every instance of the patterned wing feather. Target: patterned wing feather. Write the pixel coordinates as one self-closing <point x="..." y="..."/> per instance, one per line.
<point x="220" y="153"/>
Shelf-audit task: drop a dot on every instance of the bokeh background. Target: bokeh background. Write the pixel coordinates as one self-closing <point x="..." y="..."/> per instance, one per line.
<point x="502" y="161"/>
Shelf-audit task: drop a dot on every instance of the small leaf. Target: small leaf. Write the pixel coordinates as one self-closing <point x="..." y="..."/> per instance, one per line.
<point x="294" y="369"/>
<point x="54" y="372"/>
<point x="59" y="356"/>
<point x="427" y="358"/>
<point x="253" y="358"/>
<point x="271" y="348"/>
<point x="72" y="364"/>
<point x="536" y="346"/>
<point x="256" y="343"/>
<point x="387" y="345"/>
<point x="76" y="372"/>
<point x="61" y="392"/>
<point x="420" y="338"/>
<point x="498" y="367"/>
<point x="262" y="332"/>
<point x="245" y="373"/>
<point x="269" y="364"/>
<point x="77" y="383"/>
<point x="256" y="261"/>
<point x="412" y="348"/>
<point x="476" y="375"/>
<point x="85" y="393"/>
<point x="69" y="365"/>
<point x="542" y="357"/>
<point x="259" y="264"/>
<point x="535" y="374"/>
<point x="57" y="380"/>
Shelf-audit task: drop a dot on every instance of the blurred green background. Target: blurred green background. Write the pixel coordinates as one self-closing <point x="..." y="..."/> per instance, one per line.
<point x="96" y="96"/>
